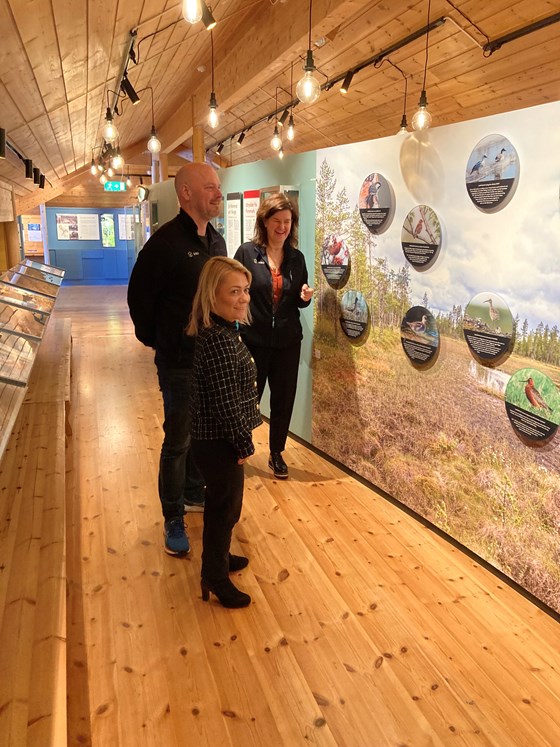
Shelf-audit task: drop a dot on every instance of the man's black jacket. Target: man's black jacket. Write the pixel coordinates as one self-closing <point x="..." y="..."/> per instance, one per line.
<point x="162" y="286"/>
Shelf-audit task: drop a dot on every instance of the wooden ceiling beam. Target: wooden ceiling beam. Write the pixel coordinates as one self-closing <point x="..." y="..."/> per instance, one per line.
<point x="274" y="39"/>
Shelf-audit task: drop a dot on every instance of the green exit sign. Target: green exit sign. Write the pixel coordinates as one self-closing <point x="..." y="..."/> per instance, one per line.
<point x="115" y="186"/>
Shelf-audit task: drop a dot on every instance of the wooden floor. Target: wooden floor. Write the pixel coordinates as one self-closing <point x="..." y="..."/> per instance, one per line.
<point x="366" y="628"/>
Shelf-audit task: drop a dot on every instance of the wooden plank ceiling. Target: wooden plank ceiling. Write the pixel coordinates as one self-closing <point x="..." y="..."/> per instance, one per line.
<point x="60" y="60"/>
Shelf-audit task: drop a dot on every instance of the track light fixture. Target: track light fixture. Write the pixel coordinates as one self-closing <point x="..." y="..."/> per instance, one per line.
<point x="28" y="168"/>
<point x="220" y="148"/>
<point x="192" y="10"/>
<point x="213" y="105"/>
<point x="207" y="18"/>
<point x="241" y="137"/>
<point x="346" y="82"/>
<point x="308" y="89"/>
<point x="128" y="89"/>
<point x="42" y="182"/>
<point x="284" y="117"/>
<point x="423" y="119"/>
<point x="36" y="175"/>
<point x="2" y="142"/>
<point x="109" y="131"/>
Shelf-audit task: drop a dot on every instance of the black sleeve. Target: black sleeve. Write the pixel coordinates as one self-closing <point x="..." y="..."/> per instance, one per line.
<point x="303" y="304"/>
<point x="144" y="287"/>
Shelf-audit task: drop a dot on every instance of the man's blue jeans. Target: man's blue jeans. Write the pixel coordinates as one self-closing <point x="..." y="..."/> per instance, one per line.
<point x="179" y="477"/>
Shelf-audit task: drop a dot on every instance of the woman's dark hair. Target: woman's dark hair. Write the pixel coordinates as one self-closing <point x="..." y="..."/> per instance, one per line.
<point x="274" y="203"/>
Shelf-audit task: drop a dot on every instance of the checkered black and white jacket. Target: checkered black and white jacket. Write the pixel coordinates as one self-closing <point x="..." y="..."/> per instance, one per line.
<point x="225" y="400"/>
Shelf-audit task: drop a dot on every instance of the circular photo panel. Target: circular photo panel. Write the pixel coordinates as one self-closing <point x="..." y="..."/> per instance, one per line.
<point x="335" y="261"/>
<point x="533" y="406"/>
<point x="488" y="328"/>
<point x="421" y="237"/>
<point x="354" y="315"/>
<point x="420" y="336"/>
<point x="492" y="173"/>
<point x="376" y="203"/>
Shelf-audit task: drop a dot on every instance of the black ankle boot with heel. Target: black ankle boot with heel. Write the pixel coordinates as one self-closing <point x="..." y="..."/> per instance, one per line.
<point x="278" y="465"/>
<point x="228" y="594"/>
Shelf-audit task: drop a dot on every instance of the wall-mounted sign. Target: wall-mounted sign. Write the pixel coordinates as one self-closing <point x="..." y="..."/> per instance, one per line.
<point x="354" y="315"/>
<point x="488" y="327"/>
<point x="114" y="186"/>
<point x="108" y="230"/>
<point x="421" y="237"/>
<point x="533" y="405"/>
<point x="335" y="261"/>
<point x="377" y="203"/>
<point x="419" y="336"/>
<point x="492" y="173"/>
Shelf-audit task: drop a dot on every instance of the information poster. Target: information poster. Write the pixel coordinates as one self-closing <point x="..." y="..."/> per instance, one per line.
<point x="533" y="406"/>
<point x="488" y="327"/>
<point x="126" y="227"/>
<point x="34" y="232"/>
<point x="421" y="237"/>
<point x="377" y="203"/>
<point x="335" y="261"/>
<point x="234" y="219"/>
<point x="108" y="230"/>
<point x="419" y="336"/>
<point x="74" y="227"/>
<point x="354" y="315"/>
<point x="251" y="202"/>
<point x="492" y="173"/>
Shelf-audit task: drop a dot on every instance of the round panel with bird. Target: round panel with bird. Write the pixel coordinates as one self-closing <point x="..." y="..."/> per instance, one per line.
<point x="335" y="261"/>
<point x="354" y="315"/>
<point x="421" y="237"/>
<point x="488" y="327"/>
<point x="420" y="336"/>
<point x="377" y="203"/>
<point x="532" y="402"/>
<point x="492" y="173"/>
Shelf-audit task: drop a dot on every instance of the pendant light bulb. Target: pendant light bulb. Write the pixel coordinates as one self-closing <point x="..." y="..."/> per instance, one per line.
<point x="102" y="178"/>
<point x="291" y="132"/>
<point x="403" y="129"/>
<point x="109" y="131"/>
<point x="110" y="172"/>
<point x="129" y="182"/>
<point x="213" y="113"/>
<point x="117" y="161"/>
<point x="276" y="142"/>
<point x="93" y="168"/>
<point x="308" y="88"/>
<point x="192" y="10"/>
<point x="422" y="119"/>
<point x="281" y="153"/>
<point x="154" y="145"/>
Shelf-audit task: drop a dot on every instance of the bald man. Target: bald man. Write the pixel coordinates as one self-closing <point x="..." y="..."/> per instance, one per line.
<point x="160" y="295"/>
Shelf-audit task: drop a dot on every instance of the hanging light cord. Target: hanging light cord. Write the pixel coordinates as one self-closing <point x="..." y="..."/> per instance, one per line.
<point x="310" y="9"/>
<point x="212" y="56"/>
<point x="427" y="37"/>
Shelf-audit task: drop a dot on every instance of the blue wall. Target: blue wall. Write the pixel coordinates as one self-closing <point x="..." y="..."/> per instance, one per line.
<point x="298" y="170"/>
<point x="88" y="262"/>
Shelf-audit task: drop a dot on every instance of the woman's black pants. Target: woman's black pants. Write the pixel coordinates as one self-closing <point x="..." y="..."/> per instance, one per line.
<point x="217" y="460"/>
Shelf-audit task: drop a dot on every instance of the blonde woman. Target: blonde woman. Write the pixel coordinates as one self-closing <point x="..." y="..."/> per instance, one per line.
<point x="225" y="411"/>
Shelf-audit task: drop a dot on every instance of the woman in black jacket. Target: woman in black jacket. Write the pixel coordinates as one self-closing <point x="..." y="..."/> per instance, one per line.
<point x="225" y="411"/>
<point x="278" y="291"/>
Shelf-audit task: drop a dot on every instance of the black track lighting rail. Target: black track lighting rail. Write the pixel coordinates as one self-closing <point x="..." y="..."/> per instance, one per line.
<point x="32" y="173"/>
<point x="493" y="46"/>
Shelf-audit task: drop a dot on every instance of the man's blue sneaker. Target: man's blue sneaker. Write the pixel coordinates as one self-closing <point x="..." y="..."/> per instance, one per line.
<point x="176" y="540"/>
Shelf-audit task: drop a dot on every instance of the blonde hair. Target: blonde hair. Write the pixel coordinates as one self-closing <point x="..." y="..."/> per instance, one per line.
<point x="212" y="276"/>
<point x="274" y="203"/>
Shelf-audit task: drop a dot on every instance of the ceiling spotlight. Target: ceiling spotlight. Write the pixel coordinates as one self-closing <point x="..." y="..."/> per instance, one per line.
<point x="42" y="182"/>
<point x="36" y="175"/>
<point x="284" y="117"/>
<point x="2" y="142"/>
<point x="220" y="148"/>
<point x="346" y="82"/>
<point x="241" y="138"/>
<point x="28" y="168"/>
<point x="207" y="18"/>
<point x="192" y="10"/>
<point x="109" y="131"/>
<point x="128" y="89"/>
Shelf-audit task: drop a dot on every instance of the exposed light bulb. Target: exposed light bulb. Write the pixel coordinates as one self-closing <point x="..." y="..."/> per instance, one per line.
<point x="308" y="88"/>
<point x="213" y="114"/>
<point x="276" y="142"/>
<point x="110" y="171"/>
<point x="93" y="168"/>
<point x="403" y="128"/>
<point x="192" y="10"/>
<point x="281" y="153"/>
<point x="422" y="119"/>
<point x="117" y="161"/>
<point x="129" y="182"/>
<point x="154" y="145"/>
<point x="109" y="131"/>
<point x="102" y="178"/>
<point x="291" y="132"/>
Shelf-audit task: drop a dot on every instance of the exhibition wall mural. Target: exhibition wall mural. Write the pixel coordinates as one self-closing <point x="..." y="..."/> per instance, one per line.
<point x="436" y="367"/>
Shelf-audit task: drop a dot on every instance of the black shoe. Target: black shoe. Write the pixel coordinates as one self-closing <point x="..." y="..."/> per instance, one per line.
<point x="228" y="595"/>
<point x="278" y="465"/>
<point x="237" y="563"/>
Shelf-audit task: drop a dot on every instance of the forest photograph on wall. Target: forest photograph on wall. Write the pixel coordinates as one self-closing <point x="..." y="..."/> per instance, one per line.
<point x="439" y="438"/>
